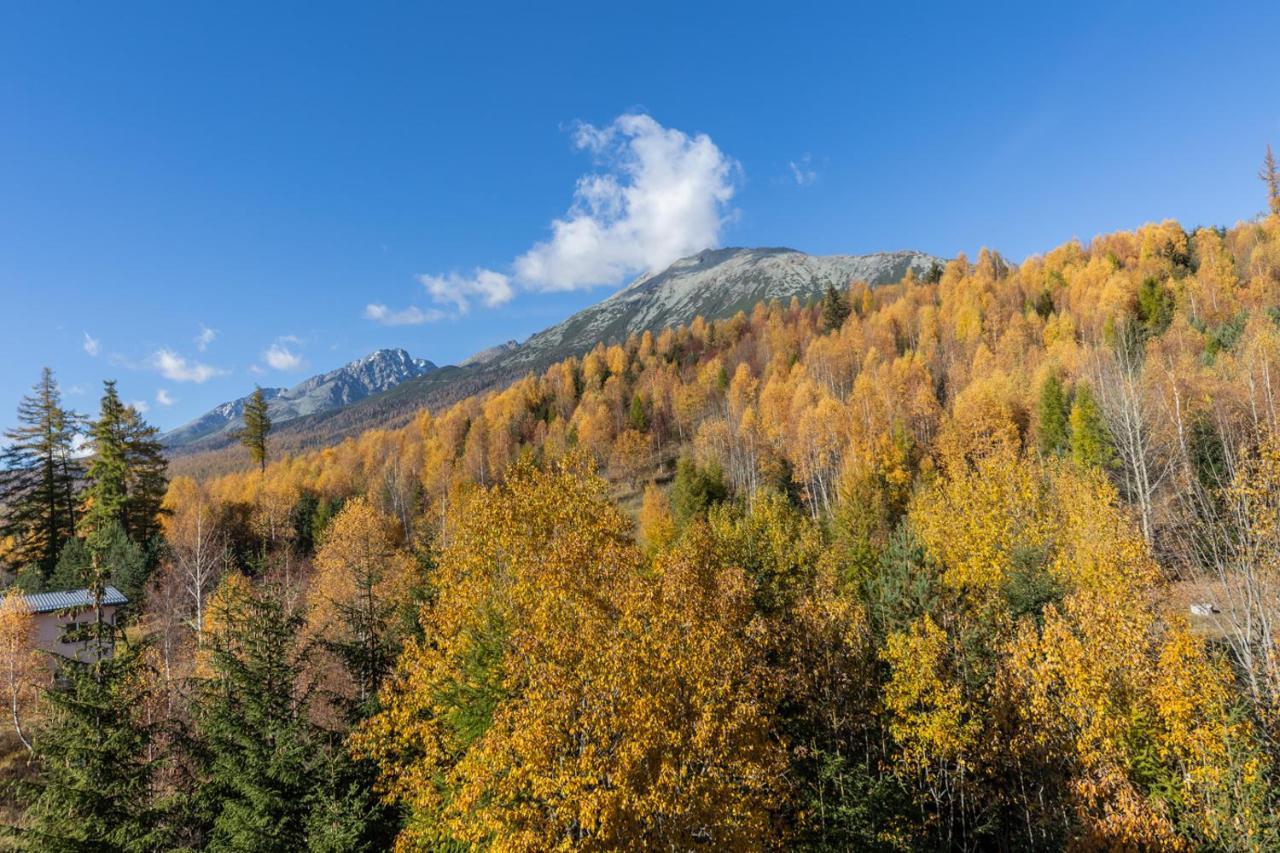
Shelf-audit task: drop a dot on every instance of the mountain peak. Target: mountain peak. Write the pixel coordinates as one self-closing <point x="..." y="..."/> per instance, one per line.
<point x="371" y="374"/>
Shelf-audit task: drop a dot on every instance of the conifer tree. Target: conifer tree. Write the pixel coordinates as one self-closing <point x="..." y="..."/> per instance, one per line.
<point x="1090" y="443"/>
<point x="108" y="490"/>
<point x="1055" y="436"/>
<point x="696" y="489"/>
<point x="252" y="720"/>
<point x="127" y="479"/>
<point x="41" y="478"/>
<point x="1271" y="177"/>
<point x="125" y="562"/>
<point x="638" y="415"/>
<point x="257" y="426"/>
<point x="835" y="309"/>
<point x="95" y="790"/>
<point x="148" y="478"/>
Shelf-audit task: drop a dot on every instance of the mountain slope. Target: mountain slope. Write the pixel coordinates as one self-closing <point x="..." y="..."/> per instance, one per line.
<point x="714" y="284"/>
<point x="377" y="372"/>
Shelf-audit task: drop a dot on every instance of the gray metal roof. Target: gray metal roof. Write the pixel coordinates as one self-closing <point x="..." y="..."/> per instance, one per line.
<point x="48" y="602"/>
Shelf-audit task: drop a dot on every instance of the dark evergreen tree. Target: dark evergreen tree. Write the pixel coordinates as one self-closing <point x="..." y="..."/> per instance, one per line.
<point x="1155" y="309"/>
<point x="695" y="489"/>
<point x="127" y="479"/>
<point x="257" y="426"/>
<point x="835" y="309"/>
<point x="40" y="479"/>
<point x="638" y="416"/>
<point x="148" y="478"/>
<point x="264" y="756"/>
<point x="95" y="790"/>
<point x="72" y="571"/>
<point x="125" y="561"/>
<point x="1055" y="428"/>
<point x="108" y="490"/>
<point x="345" y="815"/>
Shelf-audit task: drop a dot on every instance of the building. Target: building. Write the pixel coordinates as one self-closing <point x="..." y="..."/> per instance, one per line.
<point x="60" y="616"/>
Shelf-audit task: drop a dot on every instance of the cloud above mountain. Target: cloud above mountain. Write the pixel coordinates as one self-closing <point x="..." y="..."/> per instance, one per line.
<point x="661" y="195"/>
<point x="411" y="316"/>
<point x="176" y="368"/>
<point x="491" y="288"/>
<point x="279" y="356"/>
<point x="657" y="194"/>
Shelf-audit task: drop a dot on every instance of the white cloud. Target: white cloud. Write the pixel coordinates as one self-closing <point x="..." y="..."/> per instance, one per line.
<point x="164" y="398"/>
<point x="660" y="195"/>
<point x="205" y="337"/>
<point x="92" y="345"/>
<point x="803" y="171"/>
<point x="411" y="316"/>
<point x="175" y="368"/>
<point x="141" y="406"/>
<point x="280" y="357"/>
<point x="491" y="288"/>
<point x="663" y="195"/>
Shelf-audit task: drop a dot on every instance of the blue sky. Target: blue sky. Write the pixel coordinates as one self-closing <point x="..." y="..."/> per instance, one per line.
<point x="293" y="177"/>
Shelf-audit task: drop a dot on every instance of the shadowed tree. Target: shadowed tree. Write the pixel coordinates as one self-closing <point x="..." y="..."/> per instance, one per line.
<point x="39" y="489"/>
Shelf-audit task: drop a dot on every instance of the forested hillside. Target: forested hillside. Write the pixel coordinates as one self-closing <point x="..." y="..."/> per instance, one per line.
<point x="712" y="285"/>
<point x="986" y="559"/>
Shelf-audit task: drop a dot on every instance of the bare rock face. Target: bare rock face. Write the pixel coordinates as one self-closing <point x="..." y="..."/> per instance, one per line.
<point x="715" y="284"/>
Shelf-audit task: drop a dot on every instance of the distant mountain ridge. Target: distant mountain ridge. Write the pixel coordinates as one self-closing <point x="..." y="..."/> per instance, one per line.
<point x="714" y="284"/>
<point x="374" y="373"/>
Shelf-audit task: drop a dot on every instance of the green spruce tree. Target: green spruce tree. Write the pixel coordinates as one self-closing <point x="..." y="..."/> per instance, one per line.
<point x="1055" y="434"/>
<point x="108" y="491"/>
<point x="264" y="756"/>
<point x="127" y="479"/>
<point x="148" y="479"/>
<point x="95" y="786"/>
<point x="696" y="489"/>
<point x="39" y="488"/>
<point x="638" y="415"/>
<point x="835" y="309"/>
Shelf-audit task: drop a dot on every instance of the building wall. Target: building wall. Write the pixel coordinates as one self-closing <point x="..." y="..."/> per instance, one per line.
<point x="49" y="628"/>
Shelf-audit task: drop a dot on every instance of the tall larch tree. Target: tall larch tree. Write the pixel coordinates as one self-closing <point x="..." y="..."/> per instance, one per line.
<point x="40" y="488"/>
<point x="257" y="427"/>
<point x="1271" y="177"/>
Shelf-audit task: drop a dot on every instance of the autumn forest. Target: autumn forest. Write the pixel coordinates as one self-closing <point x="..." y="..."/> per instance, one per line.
<point x="984" y="559"/>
